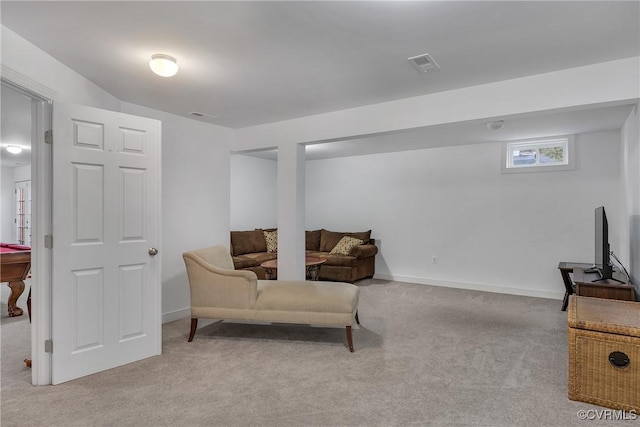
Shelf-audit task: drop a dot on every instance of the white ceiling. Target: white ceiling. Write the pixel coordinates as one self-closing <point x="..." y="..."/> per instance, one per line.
<point x="256" y="62"/>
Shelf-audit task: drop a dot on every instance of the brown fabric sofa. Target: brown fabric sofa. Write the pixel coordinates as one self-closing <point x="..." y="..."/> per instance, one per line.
<point x="249" y="250"/>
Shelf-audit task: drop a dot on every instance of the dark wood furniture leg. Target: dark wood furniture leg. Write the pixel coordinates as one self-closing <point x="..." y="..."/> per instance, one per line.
<point x="357" y="320"/>
<point x="270" y="273"/>
<point x="29" y="305"/>
<point x="566" y="268"/>
<point x="349" y="339"/>
<point x="568" y="287"/>
<point x="194" y="326"/>
<point x="312" y="272"/>
<point x="17" y="288"/>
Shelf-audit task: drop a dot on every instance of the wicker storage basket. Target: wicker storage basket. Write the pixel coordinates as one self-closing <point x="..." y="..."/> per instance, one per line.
<point x="604" y="352"/>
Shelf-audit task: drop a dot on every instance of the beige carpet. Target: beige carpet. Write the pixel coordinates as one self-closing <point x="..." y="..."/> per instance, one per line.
<point x="423" y="356"/>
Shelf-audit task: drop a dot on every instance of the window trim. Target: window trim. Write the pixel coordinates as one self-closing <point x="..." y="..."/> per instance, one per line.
<point x="507" y="167"/>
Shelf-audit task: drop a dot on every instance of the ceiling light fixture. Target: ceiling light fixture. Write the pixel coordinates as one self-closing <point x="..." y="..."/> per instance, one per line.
<point x="498" y="124"/>
<point x="14" y="149"/>
<point x="163" y="65"/>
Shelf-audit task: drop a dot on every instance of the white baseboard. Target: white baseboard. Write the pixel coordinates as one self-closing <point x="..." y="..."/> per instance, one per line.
<point x="176" y="315"/>
<point x="556" y="295"/>
<point x="559" y="295"/>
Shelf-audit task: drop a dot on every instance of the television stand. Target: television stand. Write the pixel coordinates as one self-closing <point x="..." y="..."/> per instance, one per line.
<point x="581" y="273"/>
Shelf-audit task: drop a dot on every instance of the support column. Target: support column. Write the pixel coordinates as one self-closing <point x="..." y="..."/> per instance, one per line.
<point x="291" y="212"/>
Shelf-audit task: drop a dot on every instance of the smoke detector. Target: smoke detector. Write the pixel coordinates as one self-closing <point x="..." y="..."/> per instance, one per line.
<point x="423" y="62"/>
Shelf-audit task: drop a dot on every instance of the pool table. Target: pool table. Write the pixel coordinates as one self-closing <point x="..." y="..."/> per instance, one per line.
<point x="15" y="264"/>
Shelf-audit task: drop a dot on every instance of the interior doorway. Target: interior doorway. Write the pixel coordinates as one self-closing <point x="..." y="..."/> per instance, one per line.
<point x="22" y="213"/>
<point x="25" y="217"/>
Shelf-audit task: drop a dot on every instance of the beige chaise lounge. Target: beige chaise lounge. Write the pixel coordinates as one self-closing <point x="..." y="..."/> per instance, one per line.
<point x="220" y="292"/>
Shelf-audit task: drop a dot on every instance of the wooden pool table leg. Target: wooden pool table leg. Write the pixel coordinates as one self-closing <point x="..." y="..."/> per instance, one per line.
<point x="16" y="290"/>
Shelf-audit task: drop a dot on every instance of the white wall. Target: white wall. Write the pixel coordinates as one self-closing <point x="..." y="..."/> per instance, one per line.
<point x="491" y="231"/>
<point x="6" y="204"/>
<point x="8" y="179"/>
<point x="25" y="58"/>
<point x="15" y="128"/>
<point x="208" y="174"/>
<point x="254" y="193"/>
<point x="560" y="90"/>
<point x="195" y="163"/>
<point x="22" y="173"/>
<point x="630" y="215"/>
<point x="195" y="198"/>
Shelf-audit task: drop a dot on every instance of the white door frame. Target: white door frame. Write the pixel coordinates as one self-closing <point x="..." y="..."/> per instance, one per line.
<point x="41" y="180"/>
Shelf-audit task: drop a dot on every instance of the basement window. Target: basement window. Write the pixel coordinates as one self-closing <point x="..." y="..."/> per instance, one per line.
<point x="539" y="155"/>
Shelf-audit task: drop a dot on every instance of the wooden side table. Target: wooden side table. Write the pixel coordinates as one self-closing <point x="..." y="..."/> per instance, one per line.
<point x="312" y="265"/>
<point x="566" y="268"/>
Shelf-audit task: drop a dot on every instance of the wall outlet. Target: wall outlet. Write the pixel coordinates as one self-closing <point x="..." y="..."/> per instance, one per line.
<point x="434" y="259"/>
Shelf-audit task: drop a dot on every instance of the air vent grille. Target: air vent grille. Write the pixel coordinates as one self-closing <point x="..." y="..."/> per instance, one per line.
<point x="202" y="115"/>
<point x="424" y="62"/>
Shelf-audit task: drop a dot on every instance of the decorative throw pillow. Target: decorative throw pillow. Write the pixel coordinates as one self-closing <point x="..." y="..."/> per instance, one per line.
<point x="345" y="245"/>
<point x="271" y="237"/>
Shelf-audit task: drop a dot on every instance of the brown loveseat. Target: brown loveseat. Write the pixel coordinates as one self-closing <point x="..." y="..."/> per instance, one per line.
<point x="249" y="250"/>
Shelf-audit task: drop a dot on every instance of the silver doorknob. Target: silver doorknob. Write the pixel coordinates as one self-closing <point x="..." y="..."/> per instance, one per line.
<point x="153" y="251"/>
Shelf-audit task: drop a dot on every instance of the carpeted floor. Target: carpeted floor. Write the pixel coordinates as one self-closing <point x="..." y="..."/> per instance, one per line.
<point x="423" y="356"/>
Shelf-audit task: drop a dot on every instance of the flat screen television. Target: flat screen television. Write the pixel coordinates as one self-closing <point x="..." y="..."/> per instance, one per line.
<point x="602" y="262"/>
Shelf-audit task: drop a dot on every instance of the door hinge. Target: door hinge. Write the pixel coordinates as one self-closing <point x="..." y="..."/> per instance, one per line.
<point x="48" y="241"/>
<point x="48" y="137"/>
<point x="48" y="346"/>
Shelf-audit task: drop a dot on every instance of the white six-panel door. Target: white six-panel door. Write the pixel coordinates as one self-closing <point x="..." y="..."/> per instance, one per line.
<point x="106" y="198"/>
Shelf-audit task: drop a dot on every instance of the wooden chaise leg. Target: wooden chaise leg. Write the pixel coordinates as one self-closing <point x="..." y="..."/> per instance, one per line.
<point x="357" y="320"/>
<point x="194" y="326"/>
<point x="349" y="339"/>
